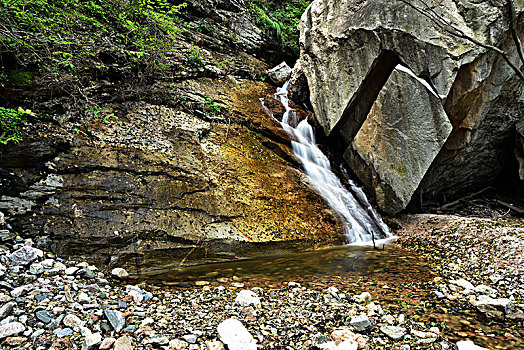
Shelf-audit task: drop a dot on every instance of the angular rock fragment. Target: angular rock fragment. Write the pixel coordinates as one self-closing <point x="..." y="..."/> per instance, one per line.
<point x="233" y="333"/>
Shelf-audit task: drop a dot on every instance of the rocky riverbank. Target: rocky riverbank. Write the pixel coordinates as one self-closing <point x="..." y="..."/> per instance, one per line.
<point x="51" y="303"/>
<point x="480" y="266"/>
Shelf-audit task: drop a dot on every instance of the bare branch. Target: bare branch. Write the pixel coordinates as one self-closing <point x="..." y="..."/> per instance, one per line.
<point x="448" y="26"/>
<point x="514" y="31"/>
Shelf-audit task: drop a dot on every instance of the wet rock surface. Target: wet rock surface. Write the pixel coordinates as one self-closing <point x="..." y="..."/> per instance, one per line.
<point x="168" y="186"/>
<point x="98" y="311"/>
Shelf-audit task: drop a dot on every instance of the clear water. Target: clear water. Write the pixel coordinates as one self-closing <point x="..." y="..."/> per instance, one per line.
<point x="363" y="226"/>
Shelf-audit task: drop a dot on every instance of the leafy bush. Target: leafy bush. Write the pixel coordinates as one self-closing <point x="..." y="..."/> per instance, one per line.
<point x="195" y="58"/>
<point x="66" y="34"/>
<point x="280" y="19"/>
<point x="11" y="122"/>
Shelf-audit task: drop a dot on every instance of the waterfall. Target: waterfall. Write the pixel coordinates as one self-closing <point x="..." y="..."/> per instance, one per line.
<point x="361" y="222"/>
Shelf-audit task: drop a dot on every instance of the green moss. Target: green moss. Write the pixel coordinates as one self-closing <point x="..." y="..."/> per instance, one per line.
<point x="399" y="167"/>
<point x="19" y="78"/>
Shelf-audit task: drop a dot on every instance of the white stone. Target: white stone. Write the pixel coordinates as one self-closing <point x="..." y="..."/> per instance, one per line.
<point x="215" y="345"/>
<point x="48" y="263"/>
<point x="395" y="333"/>
<point x="486" y="290"/>
<point x="18" y="291"/>
<point x="280" y="74"/>
<point x="72" y="321"/>
<point x="123" y="343"/>
<point x="347" y="345"/>
<point x="36" y="268"/>
<point x="468" y="345"/>
<point x="247" y="297"/>
<point x="83" y="298"/>
<point x="59" y="266"/>
<point x="71" y="270"/>
<point x="107" y="343"/>
<point x="120" y="273"/>
<point x="485" y="304"/>
<point x="233" y="333"/>
<point x="92" y="341"/>
<point x="364" y="298"/>
<point x="361" y="322"/>
<point x="178" y="344"/>
<point x="465" y="284"/>
<point x="10" y="329"/>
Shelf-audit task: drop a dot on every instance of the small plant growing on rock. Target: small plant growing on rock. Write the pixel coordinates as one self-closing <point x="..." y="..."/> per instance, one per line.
<point x="195" y="58"/>
<point x="211" y="106"/>
<point x="11" y="121"/>
<point x="98" y="113"/>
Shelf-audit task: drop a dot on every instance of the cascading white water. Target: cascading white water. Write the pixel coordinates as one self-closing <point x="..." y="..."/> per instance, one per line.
<point x="362" y="224"/>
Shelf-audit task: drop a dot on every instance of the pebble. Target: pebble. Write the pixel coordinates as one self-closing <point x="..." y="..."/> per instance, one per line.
<point x="10" y="329"/>
<point x="364" y="298"/>
<point x="247" y="297"/>
<point x="44" y="316"/>
<point x="123" y="343"/>
<point x="107" y="343"/>
<point x="116" y="319"/>
<point x="120" y="273"/>
<point x="63" y="332"/>
<point x="190" y="338"/>
<point x="71" y="270"/>
<point x="92" y="341"/>
<point x="233" y="333"/>
<point x="360" y="323"/>
<point x="394" y="332"/>
<point x="83" y="298"/>
<point x="73" y="321"/>
<point x="178" y="344"/>
<point x="25" y="255"/>
<point x="6" y="309"/>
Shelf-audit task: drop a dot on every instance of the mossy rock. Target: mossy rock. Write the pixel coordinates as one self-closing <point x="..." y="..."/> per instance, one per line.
<point x="20" y="78"/>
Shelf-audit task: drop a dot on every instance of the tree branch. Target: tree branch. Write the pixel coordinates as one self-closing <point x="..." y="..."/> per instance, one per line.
<point x="514" y="30"/>
<point x="453" y="30"/>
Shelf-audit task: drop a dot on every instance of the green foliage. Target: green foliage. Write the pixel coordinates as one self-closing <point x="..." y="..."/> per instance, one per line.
<point x="11" y="122"/>
<point x="211" y="106"/>
<point x="268" y="24"/>
<point x="195" y="58"/>
<point x="98" y="113"/>
<point x="20" y="78"/>
<point x="67" y="34"/>
<point x="280" y="19"/>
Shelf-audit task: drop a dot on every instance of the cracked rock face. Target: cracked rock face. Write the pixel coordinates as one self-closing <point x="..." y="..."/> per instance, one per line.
<point x="162" y="187"/>
<point x="398" y="141"/>
<point x="349" y="50"/>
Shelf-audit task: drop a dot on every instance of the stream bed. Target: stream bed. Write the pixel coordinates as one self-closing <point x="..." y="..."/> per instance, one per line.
<point x="399" y="280"/>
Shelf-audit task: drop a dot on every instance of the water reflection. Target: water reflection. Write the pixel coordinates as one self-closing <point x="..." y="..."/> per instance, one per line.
<point x="384" y="264"/>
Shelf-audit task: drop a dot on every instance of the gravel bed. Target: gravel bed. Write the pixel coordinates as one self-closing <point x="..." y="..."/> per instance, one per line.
<point x="49" y="303"/>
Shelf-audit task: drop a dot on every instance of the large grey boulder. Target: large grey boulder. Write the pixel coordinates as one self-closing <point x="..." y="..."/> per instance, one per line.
<point x="349" y="50"/>
<point x="494" y="308"/>
<point x="400" y="138"/>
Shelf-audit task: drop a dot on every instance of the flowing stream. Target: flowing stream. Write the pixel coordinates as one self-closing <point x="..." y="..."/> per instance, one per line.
<point x="363" y="226"/>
